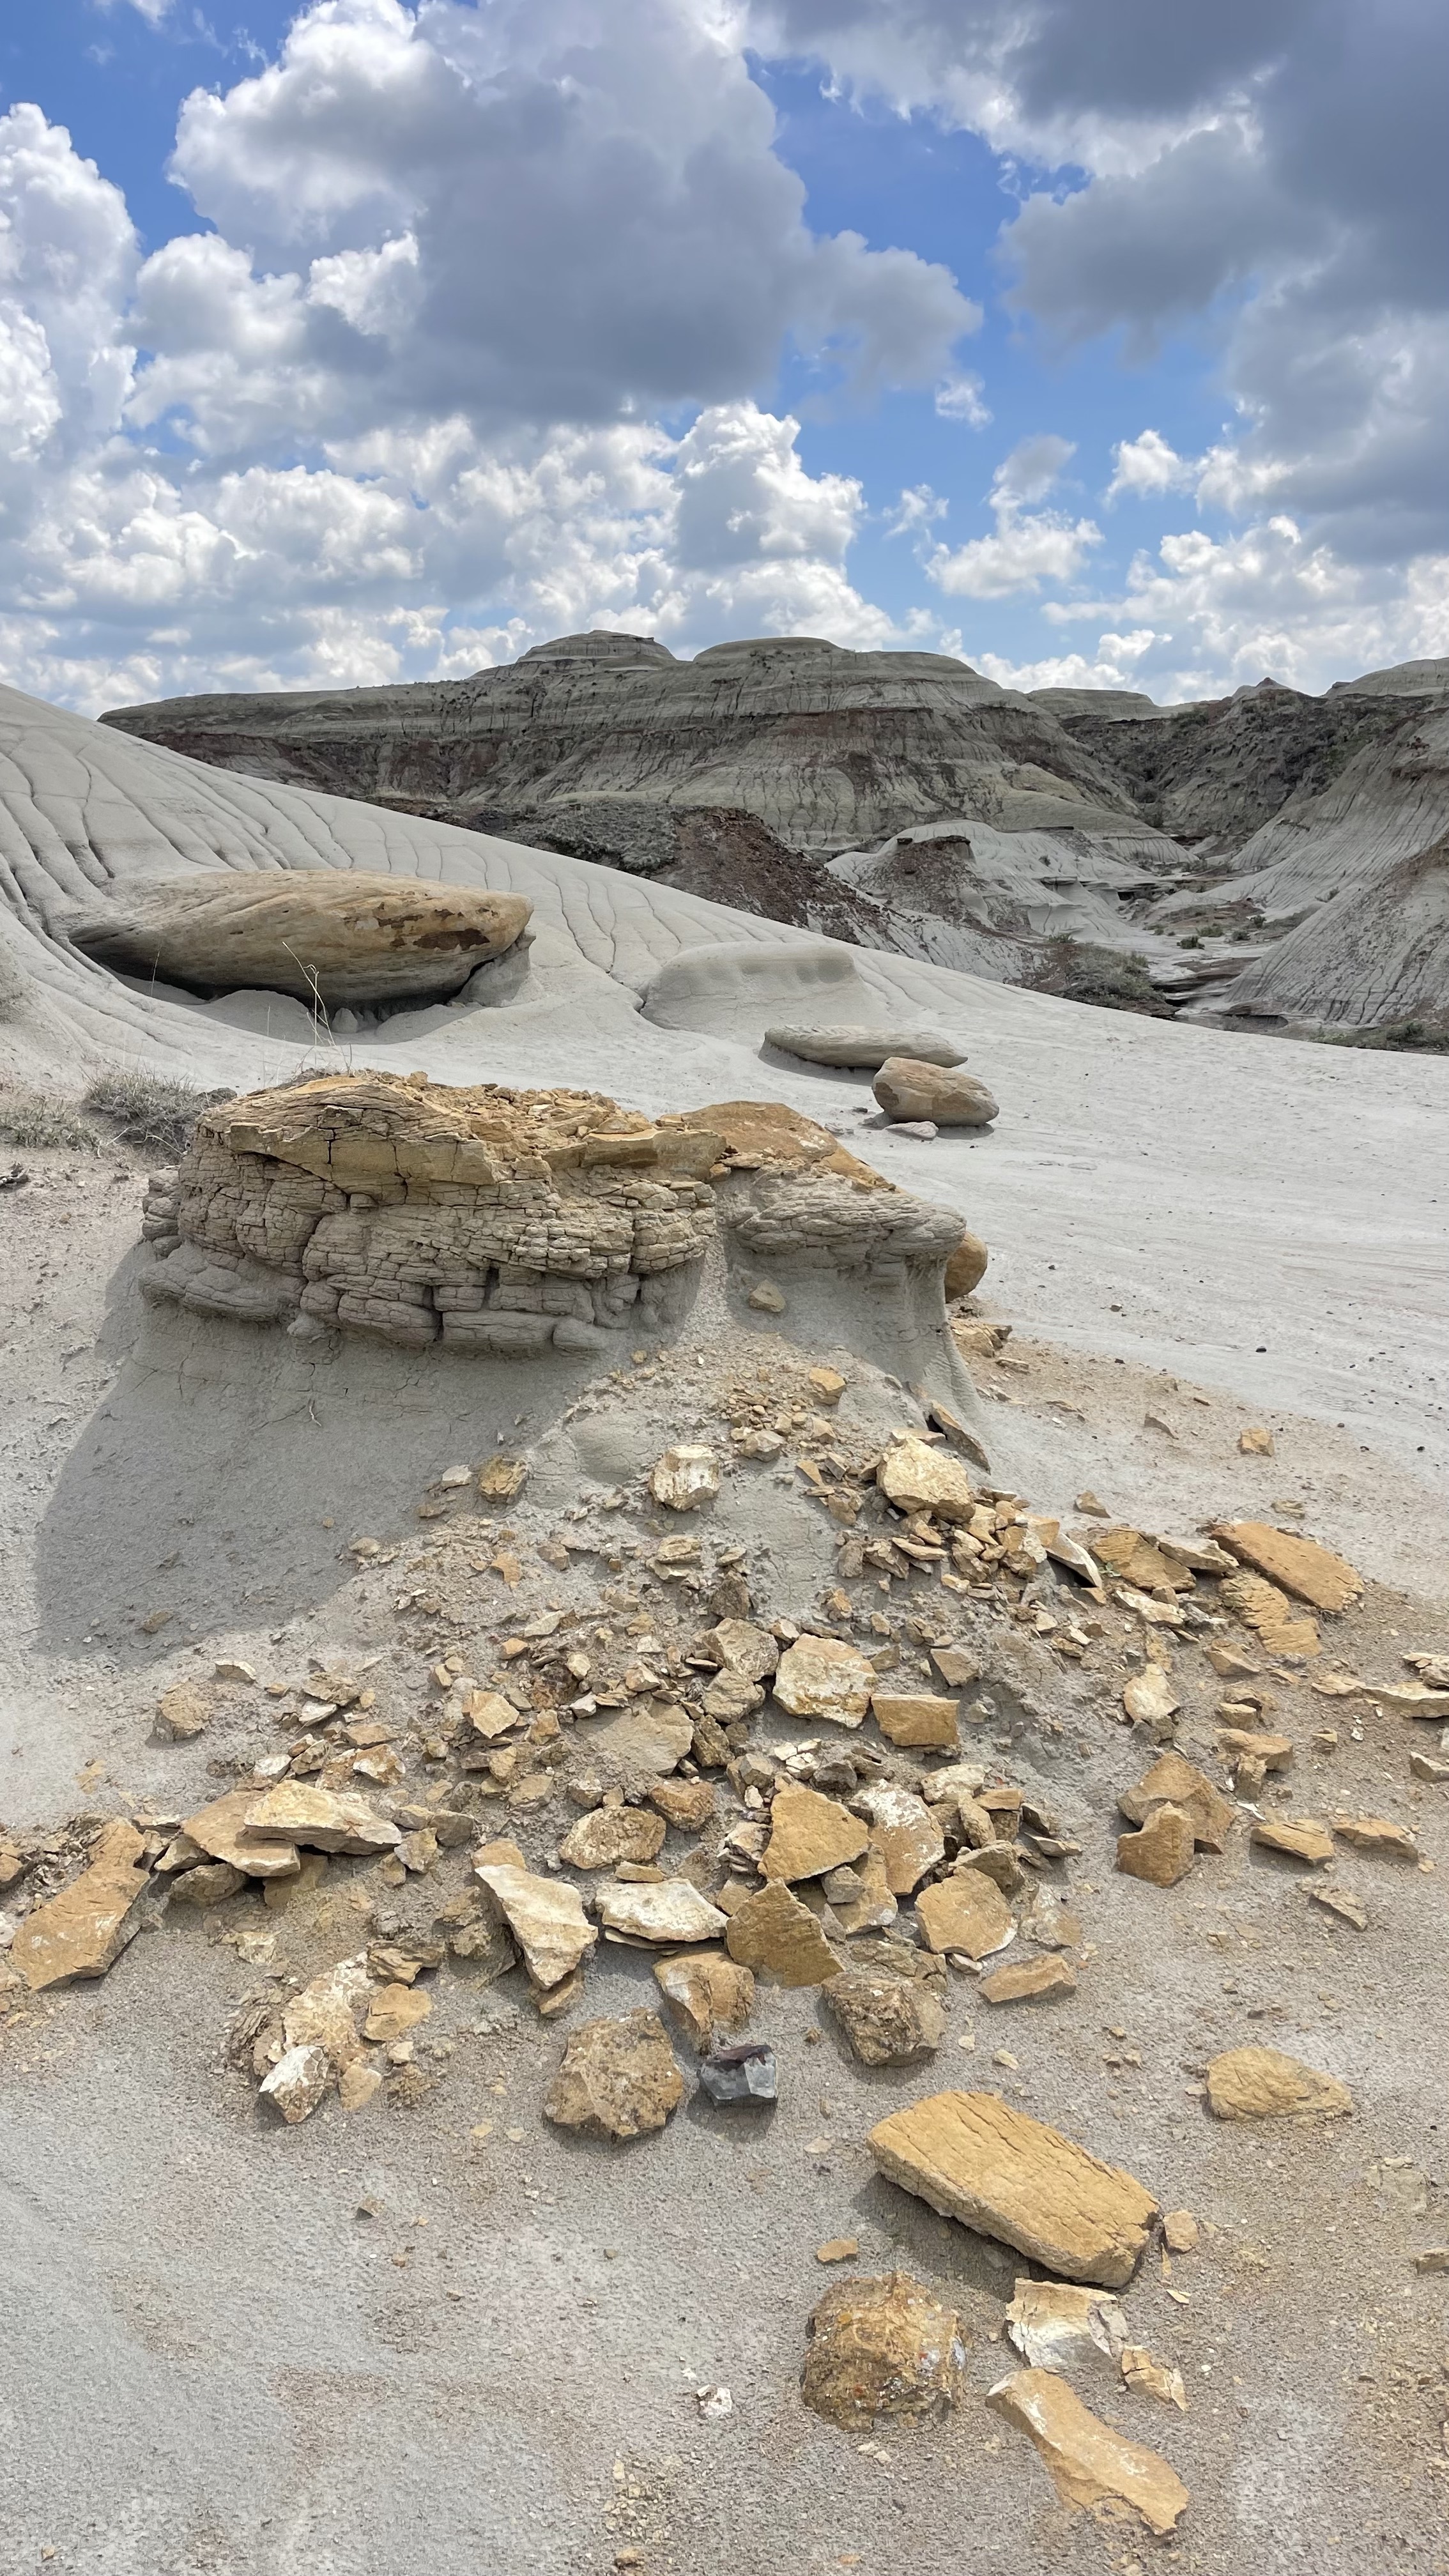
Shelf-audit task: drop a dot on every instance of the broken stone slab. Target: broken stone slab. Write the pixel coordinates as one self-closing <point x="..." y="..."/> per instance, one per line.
<point x="1248" y="1744"/>
<point x="887" y="2021"/>
<point x="904" y="1832"/>
<point x="1149" y="1698"/>
<point x="809" y="1835"/>
<point x="916" y="1719"/>
<point x="643" y="1743"/>
<point x="1133" y="1558"/>
<point x="740" y="2071"/>
<point x="965" y="1912"/>
<point x="1162" y="1851"/>
<point x="1297" y="1565"/>
<point x="182" y="1713"/>
<point x="222" y="1831"/>
<point x="1376" y="1834"/>
<point x="882" y="2346"/>
<point x="1090" y="2464"/>
<point x="618" y="2079"/>
<point x="919" y="1476"/>
<point x="211" y="1884"/>
<point x="861" y="1049"/>
<point x="686" y="1476"/>
<point x="322" y="1819"/>
<point x="1303" y="1838"/>
<point x="908" y="1088"/>
<point x="1413" y="1699"/>
<point x="1266" y="1610"/>
<point x="1265" y="2084"/>
<point x="1151" y="2376"/>
<point x="298" y="2082"/>
<point x="1055" y="2325"/>
<point x="974" y="2158"/>
<point x="823" y="1677"/>
<point x="671" y="1911"/>
<point x="545" y="1917"/>
<point x="607" y="1835"/>
<point x="739" y="1647"/>
<point x="705" y="1994"/>
<point x="325" y="2013"/>
<point x="1173" y="1779"/>
<point x="1028" y="1981"/>
<point x="395" y="2011"/>
<point x="780" y="1939"/>
<point x="1339" y="1901"/>
<point x="875" y="1906"/>
<point x="686" y="1804"/>
<point x="82" y="1931"/>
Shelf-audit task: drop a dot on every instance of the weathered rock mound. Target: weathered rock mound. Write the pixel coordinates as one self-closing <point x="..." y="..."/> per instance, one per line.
<point x="338" y="937"/>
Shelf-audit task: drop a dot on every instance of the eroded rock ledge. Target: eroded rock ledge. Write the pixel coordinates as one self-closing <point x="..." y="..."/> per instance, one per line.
<point x="507" y="1222"/>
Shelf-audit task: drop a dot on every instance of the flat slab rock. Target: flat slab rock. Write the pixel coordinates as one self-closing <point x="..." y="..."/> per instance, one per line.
<point x="324" y="1819"/>
<point x="972" y="2157"/>
<point x="779" y="1938"/>
<point x="822" y="1677"/>
<point x="667" y="1911"/>
<point x="886" y="2020"/>
<point x="1299" y="1565"/>
<point x="82" y="1931"/>
<point x="544" y="1915"/>
<point x="810" y="1834"/>
<point x="868" y="1049"/>
<point x="1266" y="2084"/>
<point x="1090" y="2463"/>
<point x="706" y="1994"/>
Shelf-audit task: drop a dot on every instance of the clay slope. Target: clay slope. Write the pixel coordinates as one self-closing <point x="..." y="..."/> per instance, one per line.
<point x="828" y="748"/>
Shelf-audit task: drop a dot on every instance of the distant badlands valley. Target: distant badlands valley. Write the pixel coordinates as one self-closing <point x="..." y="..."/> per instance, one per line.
<point x="1267" y="862"/>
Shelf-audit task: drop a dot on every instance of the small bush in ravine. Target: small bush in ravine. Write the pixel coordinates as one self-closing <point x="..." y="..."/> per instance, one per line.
<point x="154" y="1112"/>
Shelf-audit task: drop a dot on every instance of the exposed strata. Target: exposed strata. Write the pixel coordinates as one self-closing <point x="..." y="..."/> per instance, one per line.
<point x="505" y="1222"/>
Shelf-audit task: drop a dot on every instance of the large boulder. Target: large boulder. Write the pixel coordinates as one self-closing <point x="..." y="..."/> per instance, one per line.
<point x="321" y="934"/>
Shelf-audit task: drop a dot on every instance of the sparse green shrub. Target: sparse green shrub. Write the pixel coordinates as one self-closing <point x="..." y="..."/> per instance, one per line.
<point x="1079" y="971"/>
<point x="1400" y="1037"/>
<point x="37" y="1118"/>
<point x="154" y="1112"/>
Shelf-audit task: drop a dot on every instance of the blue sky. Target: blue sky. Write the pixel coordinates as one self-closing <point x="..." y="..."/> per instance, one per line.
<point x="363" y="341"/>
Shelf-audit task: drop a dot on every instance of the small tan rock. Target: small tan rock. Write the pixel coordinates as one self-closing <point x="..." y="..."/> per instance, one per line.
<point x="1298" y="1565"/>
<point x="706" y="1995"/>
<point x="298" y="2082"/>
<point x="1302" y="1838"/>
<point x="777" y="1936"/>
<point x="685" y="1477"/>
<point x="739" y="1647"/>
<point x="838" y="2249"/>
<point x="1090" y="2465"/>
<point x="544" y="1916"/>
<point x="887" y="2021"/>
<point x="882" y="2347"/>
<point x="1264" y="2084"/>
<point x="1162" y="1851"/>
<point x="1173" y="1779"/>
<point x="672" y="1910"/>
<point x="502" y="1479"/>
<point x="908" y="1089"/>
<point x="643" y="1743"/>
<point x="1028" y="1981"/>
<point x="917" y="1719"/>
<point x="1149" y="1698"/>
<point x="322" y="1819"/>
<point x="607" y="1835"/>
<point x="826" y="1385"/>
<point x="1179" y="2231"/>
<point x="358" y="2084"/>
<point x="823" y="1677"/>
<point x="221" y="1830"/>
<point x="686" y="1804"/>
<point x="905" y="1833"/>
<point x="211" y="1884"/>
<point x="875" y="1906"/>
<point x="1006" y="2175"/>
<point x="1255" y="1442"/>
<point x="1151" y="2376"/>
<point x="182" y="1712"/>
<point x="965" y="1912"/>
<point x="966" y="1268"/>
<point x="919" y="1476"/>
<point x="1376" y="1834"/>
<point x="1057" y="2324"/>
<point x="396" y="2011"/>
<point x="728" y="1698"/>
<point x="1135" y="1559"/>
<point x="82" y="1931"/>
<point x="1248" y="1744"/>
<point x="490" y="1714"/>
<point x="1337" y="1900"/>
<point x="618" y="2079"/>
<point x="809" y="1834"/>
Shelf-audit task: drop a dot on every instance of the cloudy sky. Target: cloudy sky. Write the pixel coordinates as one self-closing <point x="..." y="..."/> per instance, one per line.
<point x="1098" y="341"/>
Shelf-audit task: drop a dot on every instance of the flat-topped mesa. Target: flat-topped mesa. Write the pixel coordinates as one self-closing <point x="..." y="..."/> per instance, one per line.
<point x="511" y="1223"/>
<point x="489" y="1220"/>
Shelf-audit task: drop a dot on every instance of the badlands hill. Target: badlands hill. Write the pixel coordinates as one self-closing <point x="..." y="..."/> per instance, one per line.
<point x="504" y="1602"/>
<point x="1271" y="858"/>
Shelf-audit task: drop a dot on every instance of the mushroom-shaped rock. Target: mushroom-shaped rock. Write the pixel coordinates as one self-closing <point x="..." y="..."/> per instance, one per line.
<point x="329" y="935"/>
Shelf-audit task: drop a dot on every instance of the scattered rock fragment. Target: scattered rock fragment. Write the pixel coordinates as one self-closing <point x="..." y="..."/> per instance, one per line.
<point x="1028" y="1981"/>
<point x="323" y="1819"/>
<point x="673" y="1911"/>
<point x="917" y="1719"/>
<point x="545" y="1917"/>
<point x="1149" y="1698"/>
<point x="1179" y="2231"/>
<point x="1151" y="2376"/>
<point x="502" y="1479"/>
<point x="882" y="2346"/>
<point x="618" y="2079"/>
<point x="1376" y="1834"/>
<point x="905" y="1833"/>
<point x="1255" y="1441"/>
<point x="1056" y="2324"/>
<point x="1090" y="2465"/>
<point x="739" y="2071"/>
<point x="1302" y="1838"/>
<point x="918" y="1476"/>
<point x="601" y="1839"/>
<point x="222" y="1830"/>
<point x="686" y="1804"/>
<point x="822" y="1677"/>
<point x="973" y="2157"/>
<point x="777" y="1936"/>
<point x="1264" y="1609"/>
<point x="966" y="1911"/>
<point x="838" y="2249"/>
<point x="1264" y="2084"/>
<point x="395" y="2011"/>
<point x="809" y="1835"/>
<point x="1297" y="1565"/>
<point x="1339" y="1901"/>
<point x="887" y="2022"/>
<point x="298" y="2082"/>
<point x="1172" y="1779"/>
<point x="909" y="1089"/>
<point x="706" y="1994"/>
<point x="82" y="1931"/>
<point x="211" y="1884"/>
<point x="1247" y="1744"/>
<point x="685" y="1477"/>
<point x="739" y="1647"/>
<point x="182" y="1713"/>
